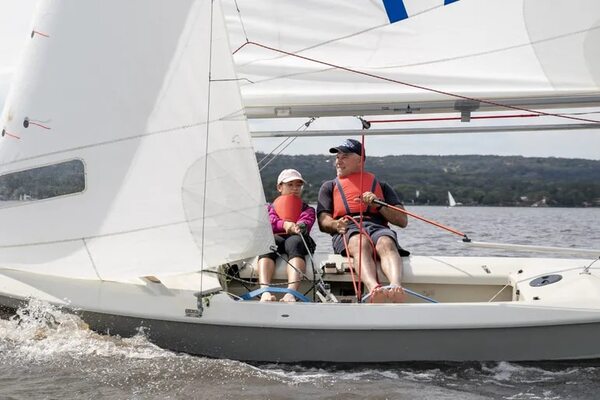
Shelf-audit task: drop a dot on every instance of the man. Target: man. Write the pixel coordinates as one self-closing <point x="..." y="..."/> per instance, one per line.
<point x="344" y="197"/>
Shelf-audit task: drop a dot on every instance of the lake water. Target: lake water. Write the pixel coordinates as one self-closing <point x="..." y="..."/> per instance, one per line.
<point x="63" y="360"/>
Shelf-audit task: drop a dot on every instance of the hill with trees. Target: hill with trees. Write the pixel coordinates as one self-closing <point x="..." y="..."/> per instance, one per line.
<point x="473" y="179"/>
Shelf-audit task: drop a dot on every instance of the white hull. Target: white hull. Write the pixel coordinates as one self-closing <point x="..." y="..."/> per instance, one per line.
<point x="557" y="321"/>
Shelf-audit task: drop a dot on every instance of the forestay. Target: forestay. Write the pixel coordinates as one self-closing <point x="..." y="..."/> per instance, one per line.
<point x="522" y="52"/>
<point x="171" y="181"/>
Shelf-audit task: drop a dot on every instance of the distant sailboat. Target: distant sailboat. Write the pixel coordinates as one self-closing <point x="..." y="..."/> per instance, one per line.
<point x="451" y="201"/>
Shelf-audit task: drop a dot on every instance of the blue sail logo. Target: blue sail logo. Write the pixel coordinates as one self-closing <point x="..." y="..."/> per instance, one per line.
<point x="396" y="9"/>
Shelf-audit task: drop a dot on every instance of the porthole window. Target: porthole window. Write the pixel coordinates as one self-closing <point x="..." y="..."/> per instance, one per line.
<point x="42" y="183"/>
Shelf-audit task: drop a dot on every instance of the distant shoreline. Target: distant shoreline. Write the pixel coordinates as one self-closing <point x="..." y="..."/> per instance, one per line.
<point x="474" y="180"/>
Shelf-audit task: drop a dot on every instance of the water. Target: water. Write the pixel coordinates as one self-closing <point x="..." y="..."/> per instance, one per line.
<point x="52" y="355"/>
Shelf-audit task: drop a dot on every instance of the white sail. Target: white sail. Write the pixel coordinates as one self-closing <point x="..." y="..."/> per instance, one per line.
<point x="171" y="182"/>
<point x="451" y="201"/>
<point x="523" y="52"/>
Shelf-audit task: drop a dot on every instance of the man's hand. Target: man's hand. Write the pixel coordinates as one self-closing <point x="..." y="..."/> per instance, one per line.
<point x="368" y="198"/>
<point x="341" y="225"/>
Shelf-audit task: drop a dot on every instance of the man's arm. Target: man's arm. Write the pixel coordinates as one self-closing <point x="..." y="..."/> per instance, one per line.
<point x="394" y="217"/>
<point x="330" y="225"/>
<point x="325" y="209"/>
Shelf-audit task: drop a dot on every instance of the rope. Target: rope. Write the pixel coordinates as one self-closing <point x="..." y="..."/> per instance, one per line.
<point x="34" y="32"/>
<point x="360" y="237"/>
<point x="379" y="121"/>
<point x="6" y="133"/>
<point x="456" y="232"/>
<point x="499" y="291"/>
<point x="354" y="284"/>
<point x="357" y="288"/>
<point x="245" y="281"/>
<point x="312" y="265"/>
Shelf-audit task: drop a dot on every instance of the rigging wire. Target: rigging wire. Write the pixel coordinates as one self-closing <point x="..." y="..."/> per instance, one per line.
<point x="237" y="7"/>
<point x="586" y="270"/>
<point x="302" y="127"/>
<point x="204" y="188"/>
<point x="273" y="150"/>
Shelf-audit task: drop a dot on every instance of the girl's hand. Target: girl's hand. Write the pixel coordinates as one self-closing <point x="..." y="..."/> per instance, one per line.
<point x="290" y="227"/>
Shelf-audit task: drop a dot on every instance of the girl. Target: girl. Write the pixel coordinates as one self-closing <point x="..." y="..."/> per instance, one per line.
<point x="290" y="218"/>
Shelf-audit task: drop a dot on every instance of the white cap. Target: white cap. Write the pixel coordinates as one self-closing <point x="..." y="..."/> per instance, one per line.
<point x="288" y="175"/>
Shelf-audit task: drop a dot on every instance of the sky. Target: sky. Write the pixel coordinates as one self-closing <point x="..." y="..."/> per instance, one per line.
<point x="15" y="16"/>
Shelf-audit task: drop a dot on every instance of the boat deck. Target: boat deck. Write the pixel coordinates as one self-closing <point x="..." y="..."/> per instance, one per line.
<point x="442" y="279"/>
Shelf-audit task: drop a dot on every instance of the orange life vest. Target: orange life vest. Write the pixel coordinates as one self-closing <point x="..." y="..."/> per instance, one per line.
<point x="288" y="207"/>
<point x="347" y="194"/>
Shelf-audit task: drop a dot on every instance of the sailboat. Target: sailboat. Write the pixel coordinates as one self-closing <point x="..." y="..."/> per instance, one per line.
<point x="149" y="101"/>
<point x="451" y="201"/>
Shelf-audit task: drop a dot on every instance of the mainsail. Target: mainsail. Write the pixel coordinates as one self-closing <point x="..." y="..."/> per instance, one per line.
<point x="337" y="57"/>
<point x="144" y="94"/>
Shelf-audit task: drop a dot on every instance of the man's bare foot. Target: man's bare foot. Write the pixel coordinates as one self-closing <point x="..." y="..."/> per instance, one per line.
<point x="288" y="298"/>
<point x="266" y="296"/>
<point x="377" y="295"/>
<point x="395" y="294"/>
<point x="388" y="294"/>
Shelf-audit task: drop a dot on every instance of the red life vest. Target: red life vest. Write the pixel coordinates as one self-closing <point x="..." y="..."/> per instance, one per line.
<point x="347" y="194"/>
<point x="288" y="207"/>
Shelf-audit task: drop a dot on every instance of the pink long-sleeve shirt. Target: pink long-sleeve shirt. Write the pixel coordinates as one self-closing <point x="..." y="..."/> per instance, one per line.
<point x="307" y="216"/>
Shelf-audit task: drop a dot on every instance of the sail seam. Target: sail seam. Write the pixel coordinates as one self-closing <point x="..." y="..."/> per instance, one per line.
<point x="182" y="128"/>
<point x="146" y="228"/>
<point x="125" y="232"/>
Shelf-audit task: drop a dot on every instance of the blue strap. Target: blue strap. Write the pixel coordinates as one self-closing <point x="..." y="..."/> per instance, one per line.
<point x="343" y="195"/>
<point x="419" y="295"/>
<point x="260" y="291"/>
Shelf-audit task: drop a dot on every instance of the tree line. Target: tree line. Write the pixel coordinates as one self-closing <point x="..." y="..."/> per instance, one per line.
<point x="472" y="179"/>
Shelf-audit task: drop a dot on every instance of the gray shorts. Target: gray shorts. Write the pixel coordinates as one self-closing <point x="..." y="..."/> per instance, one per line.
<point x="375" y="231"/>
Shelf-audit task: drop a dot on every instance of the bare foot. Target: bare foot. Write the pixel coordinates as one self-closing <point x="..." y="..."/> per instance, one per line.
<point x="266" y="296"/>
<point x="389" y="294"/>
<point x="288" y="298"/>
<point x="378" y="295"/>
<point x="395" y="294"/>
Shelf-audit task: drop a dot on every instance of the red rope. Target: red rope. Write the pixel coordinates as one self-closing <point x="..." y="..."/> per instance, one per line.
<point x="451" y="118"/>
<point x="457" y="232"/>
<point x="38" y="124"/>
<point x="361" y="231"/>
<point x="354" y="283"/>
<point x="360" y="227"/>
<point x="39" y="33"/>
<point x="5" y="132"/>
<point x="458" y="96"/>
